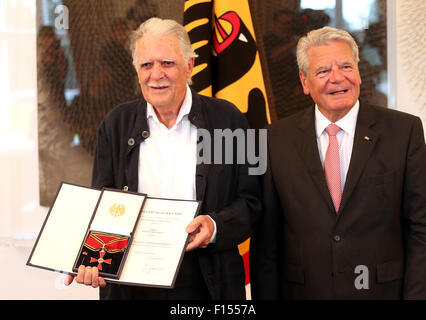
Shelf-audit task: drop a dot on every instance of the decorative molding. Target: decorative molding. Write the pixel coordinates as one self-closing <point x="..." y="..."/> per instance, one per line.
<point x="411" y="39"/>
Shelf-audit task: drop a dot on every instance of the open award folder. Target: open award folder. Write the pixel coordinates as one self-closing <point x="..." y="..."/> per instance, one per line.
<point x="131" y="238"/>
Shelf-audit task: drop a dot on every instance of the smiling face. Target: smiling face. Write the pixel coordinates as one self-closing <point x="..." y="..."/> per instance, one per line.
<point x="162" y="71"/>
<point x="332" y="79"/>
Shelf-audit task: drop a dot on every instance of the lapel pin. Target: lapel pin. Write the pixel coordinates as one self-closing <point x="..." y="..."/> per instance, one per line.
<point x="366" y="138"/>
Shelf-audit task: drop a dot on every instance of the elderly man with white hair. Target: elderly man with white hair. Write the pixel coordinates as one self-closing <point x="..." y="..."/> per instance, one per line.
<point x="344" y="192"/>
<point x="150" y="146"/>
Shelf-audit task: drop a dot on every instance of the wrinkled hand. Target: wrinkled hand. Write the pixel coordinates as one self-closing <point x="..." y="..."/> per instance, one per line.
<point x="201" y="230"/>
<point x="88" y="276"/>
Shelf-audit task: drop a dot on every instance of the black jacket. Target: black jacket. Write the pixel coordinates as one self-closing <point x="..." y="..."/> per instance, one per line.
<point x="229" y="195"/>
<point x="302" y="249"/>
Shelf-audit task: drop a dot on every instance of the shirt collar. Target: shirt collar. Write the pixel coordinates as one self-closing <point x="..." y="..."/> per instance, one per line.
<point x="184" y="110"/>
<point x="347" y="123"/>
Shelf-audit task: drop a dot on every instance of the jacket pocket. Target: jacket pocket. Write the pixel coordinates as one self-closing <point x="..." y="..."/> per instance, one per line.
<point x="389" y="271"/>
<point x="294" y="274"/>
<point x="381" y="179"/>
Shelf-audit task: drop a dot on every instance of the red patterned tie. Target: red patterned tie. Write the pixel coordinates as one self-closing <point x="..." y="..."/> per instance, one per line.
<point x="332" y="166"/>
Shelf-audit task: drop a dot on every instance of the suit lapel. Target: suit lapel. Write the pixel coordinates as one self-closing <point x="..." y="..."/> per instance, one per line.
<point x="365" y="140"/>
<point x="138" y="131"/>
<point x="198" y="119"/>
<point x="308" y="149"/>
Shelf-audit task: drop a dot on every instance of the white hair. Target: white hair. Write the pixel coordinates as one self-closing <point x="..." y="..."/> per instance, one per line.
<point x="320" y="37"/>
<point x="162" y="27"/>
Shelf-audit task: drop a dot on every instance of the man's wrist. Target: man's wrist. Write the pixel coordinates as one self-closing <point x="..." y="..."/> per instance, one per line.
<point x="213" y="238"/>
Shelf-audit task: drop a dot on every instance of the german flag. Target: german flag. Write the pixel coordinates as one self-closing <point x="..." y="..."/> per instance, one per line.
<point x="228" y="64"/>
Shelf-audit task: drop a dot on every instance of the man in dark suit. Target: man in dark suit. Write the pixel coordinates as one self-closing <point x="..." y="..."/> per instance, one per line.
<point x="344" y="191"/>
<point x="150" y="146"/>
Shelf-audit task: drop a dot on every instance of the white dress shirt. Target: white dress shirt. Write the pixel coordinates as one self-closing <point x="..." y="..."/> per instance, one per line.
<point x="345" y="138"/>
<point x="168" y="157"/>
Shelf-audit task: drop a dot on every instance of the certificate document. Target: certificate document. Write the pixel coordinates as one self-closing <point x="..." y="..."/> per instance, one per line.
<point x="159" y="242"/>
<point x="83" y="220"/>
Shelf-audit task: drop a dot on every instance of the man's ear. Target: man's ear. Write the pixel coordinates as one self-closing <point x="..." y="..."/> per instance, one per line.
<point x="303" y="81"/>
<point x="190" y="66"/>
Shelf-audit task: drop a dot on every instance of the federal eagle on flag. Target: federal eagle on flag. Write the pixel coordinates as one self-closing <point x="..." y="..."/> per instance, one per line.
<point x="228" y="65"/>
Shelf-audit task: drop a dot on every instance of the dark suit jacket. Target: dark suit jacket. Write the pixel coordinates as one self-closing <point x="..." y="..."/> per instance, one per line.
<point x="302" y="250"/>
<point x="228" y="194"/>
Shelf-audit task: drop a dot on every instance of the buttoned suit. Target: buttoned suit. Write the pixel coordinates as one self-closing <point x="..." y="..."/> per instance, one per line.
<point x="374" y="247"/>
<point x="228" y="194"/>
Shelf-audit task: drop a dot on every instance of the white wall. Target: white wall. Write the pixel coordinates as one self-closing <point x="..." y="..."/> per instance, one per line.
<point x="411" y="57"/>
<point x="21" y="217"/>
